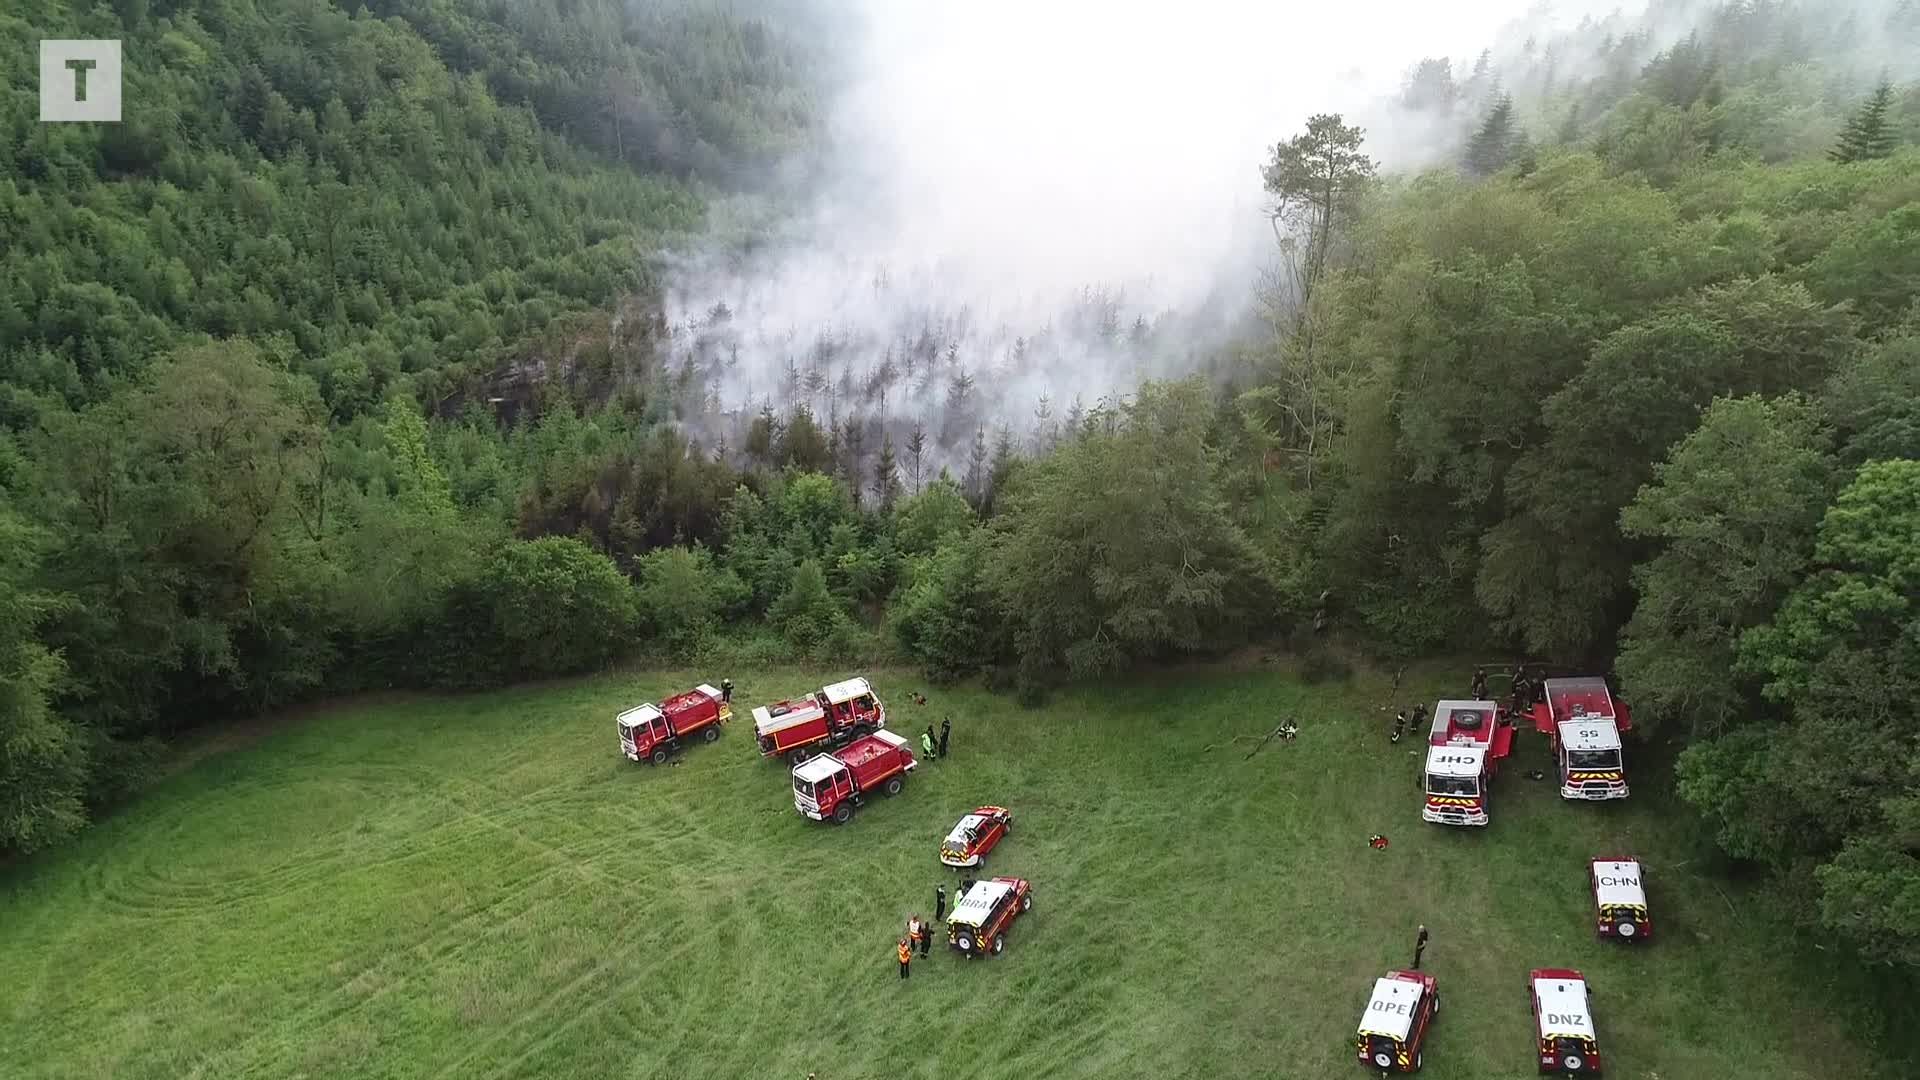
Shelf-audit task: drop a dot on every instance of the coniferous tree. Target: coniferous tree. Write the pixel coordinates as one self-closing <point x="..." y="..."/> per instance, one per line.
<point x="1867" y="135"/>
<point x="1491" y="148"/>
<point x="886" y="476"/>
<point x="916" y="454"/>
<point x="977" y="469"/>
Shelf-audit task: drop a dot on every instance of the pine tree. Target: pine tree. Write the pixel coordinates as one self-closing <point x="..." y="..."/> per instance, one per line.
<point x="916" y="453"/>
<point x="852" y="445"/>
<point x="1002" y="468"/>
<point x="1492" y="146"/>
<point x="886" y="476"/>
<point x="959" y="390"/>
<point x="1570" y="126"/>
<point x="977" y="469"/>
<point x="1867" y="135"/>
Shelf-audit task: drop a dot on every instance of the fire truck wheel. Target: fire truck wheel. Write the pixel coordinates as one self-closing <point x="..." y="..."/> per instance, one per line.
<point x="843" y="813"/>
<point x="1026" y="903"/>
<point x="712" y="733"/>
<point x="999" y="944"/>
<point x="965" y="941"/>
<point x="1573" y="1062"/>
<point x="1436" y="1004"/>
<point x="894" y="784"/>
<point x="659" y="756"/>
<point x="1625" y="928"/>
<point x="1419" y="1059"/>
<point x="1383" y="1059"/>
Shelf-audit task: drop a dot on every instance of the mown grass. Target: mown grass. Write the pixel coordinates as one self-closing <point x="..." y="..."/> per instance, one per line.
<point x="482" y="887"/>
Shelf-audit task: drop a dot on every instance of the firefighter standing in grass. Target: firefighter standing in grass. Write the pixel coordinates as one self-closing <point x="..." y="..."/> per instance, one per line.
<point x="922" y="935"/>
<point x="939" y="902"/>
<point x="906" y="957"/>
<point x="946" y="728"/>
<point x="926" y="741"/>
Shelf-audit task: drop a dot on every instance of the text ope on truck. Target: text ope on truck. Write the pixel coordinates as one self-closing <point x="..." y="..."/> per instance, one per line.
<point x="1393" y="1026"/>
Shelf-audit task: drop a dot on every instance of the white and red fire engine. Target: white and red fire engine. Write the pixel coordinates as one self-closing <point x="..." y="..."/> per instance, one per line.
<point x="651" y="732"/>
<point x="1563" y="1022"/>
<point x="1393" y="1028"/>
<point x="1464" y="749"/>
<point x="1583" y="722"/>
<point x="832" y="716"/>
<point x="982" y="915"/>
<point x="831" y="786"/>
<point x="1620" y="900"/>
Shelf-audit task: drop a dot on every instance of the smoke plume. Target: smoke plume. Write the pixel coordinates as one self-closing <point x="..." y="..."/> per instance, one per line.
<point x="1032" y="203"/>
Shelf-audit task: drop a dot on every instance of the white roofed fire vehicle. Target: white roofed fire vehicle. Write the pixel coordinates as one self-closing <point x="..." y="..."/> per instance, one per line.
<point x="1567" y="1041"/>
<point x="651" y="732"/>
<point x="982" y="915"/>
<point x="1394" y="1024"/>
<point x="1582" y="721"/>
<point x="1620" y="900"/>
<point x="832" y="786"/>
<point x="1464" y="749"/>
<point x="834" y="715"/>
<point x="975" y="835"/>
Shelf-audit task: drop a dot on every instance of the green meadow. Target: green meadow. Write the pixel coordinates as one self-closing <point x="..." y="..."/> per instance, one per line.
<point x="482" y="887"/>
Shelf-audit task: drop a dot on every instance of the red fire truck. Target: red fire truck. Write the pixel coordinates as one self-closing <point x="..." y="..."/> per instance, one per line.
<point x="651" y="732"/>
<point x="831" y="786"/>
<point x="1563" y="1021"/>
<point x="1464" y="749"/>
<point x="1620" y="899"/>
<point x="1393" y="1029"/>
<point x="1583" y="722"/>
<point x="829" y="717"/>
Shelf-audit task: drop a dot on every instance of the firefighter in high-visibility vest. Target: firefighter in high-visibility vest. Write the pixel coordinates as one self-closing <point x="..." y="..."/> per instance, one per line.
<point x="906" y="956"/>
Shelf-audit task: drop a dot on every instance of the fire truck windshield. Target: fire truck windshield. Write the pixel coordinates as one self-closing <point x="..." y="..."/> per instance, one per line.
<point x="1593" y="759"/>
<point x="803" y="787"/>
<point x="1452" y="785"/>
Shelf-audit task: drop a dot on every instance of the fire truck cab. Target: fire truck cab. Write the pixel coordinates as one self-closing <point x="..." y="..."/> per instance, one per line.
<point x="832" y="716"/>
<point x="1393" y="1029"/>
<point x="1464" y="749"/>
<point x="651" y="732"/>
<point x="1583" y="722"/>
<point x="1563" y="1023"/>
<point x="1620" y="900"/>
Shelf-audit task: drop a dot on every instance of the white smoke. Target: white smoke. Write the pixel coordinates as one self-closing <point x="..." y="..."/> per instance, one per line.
<point x="1051" y="197"/>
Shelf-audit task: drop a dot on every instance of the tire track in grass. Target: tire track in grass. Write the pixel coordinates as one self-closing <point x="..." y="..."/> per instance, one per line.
<point x="444" y="944"/>
<point x="555" y="1000"/>
<point x="146" y="891"/>
<point x="560" y="861"/>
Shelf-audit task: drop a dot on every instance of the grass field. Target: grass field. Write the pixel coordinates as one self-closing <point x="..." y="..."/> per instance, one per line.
<point x="482" y="887"/>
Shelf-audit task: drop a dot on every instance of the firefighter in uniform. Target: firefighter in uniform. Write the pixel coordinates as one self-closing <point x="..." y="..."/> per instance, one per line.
<point x="922" y="935"/>
<point x="906" y="957"/>
<point x="926" y="741"/>
<point x="726" y="691"/>
<point x="1478" y="691"/>
<point x="939" y="902"/>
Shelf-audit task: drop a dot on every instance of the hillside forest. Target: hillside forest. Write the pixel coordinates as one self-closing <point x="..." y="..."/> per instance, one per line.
<point x="345" y="366"/>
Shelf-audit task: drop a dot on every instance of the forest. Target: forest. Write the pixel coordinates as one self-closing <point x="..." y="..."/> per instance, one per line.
<point x="345" y="366"/>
